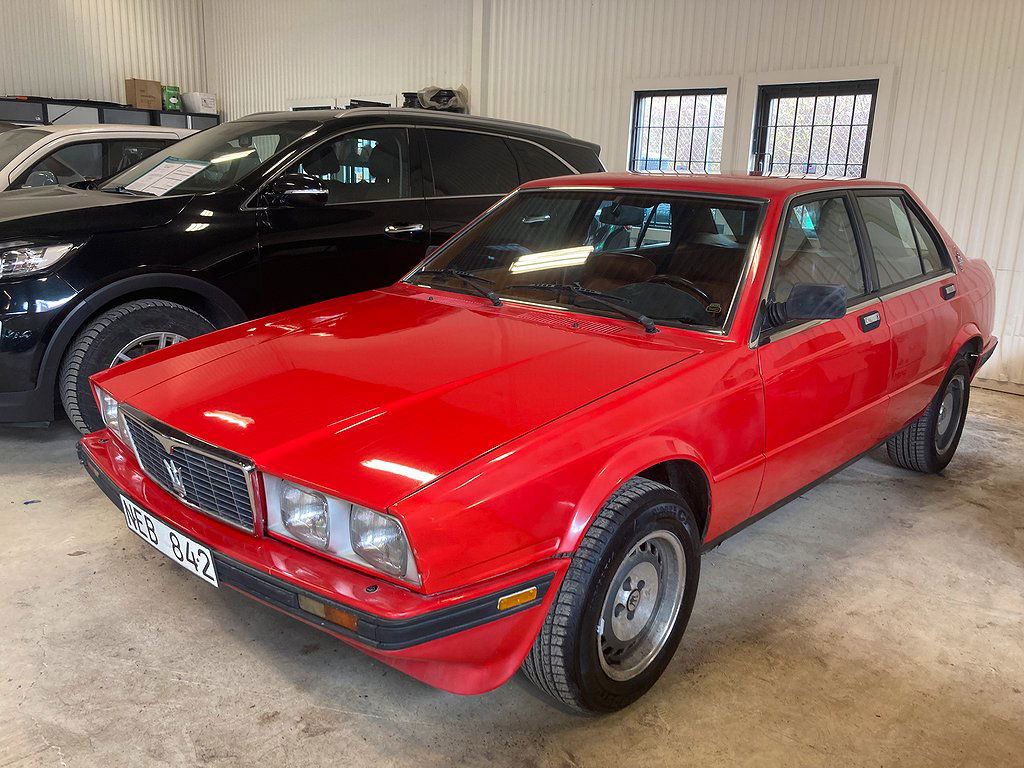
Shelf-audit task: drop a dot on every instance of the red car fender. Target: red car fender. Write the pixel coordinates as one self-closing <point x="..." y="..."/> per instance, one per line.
<point x="627" y="463"/>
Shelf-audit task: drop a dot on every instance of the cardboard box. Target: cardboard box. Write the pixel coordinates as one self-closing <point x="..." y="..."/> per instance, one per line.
<point x="172" y="98"/>
<point x="200" y="103"/>
<point x="143" y="94"/>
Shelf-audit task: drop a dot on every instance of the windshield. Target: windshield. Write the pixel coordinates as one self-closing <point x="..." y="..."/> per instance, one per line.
<point x="233" y="150"/>
<point x="16" y="141"/>
<point x="674" y="259"/>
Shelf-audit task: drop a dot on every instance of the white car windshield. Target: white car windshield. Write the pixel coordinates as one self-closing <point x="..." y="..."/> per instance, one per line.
<point x="230" y="150"/>
<point x="16" y="141"/>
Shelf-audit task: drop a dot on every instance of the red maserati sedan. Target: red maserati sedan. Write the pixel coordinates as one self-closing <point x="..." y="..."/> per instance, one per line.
<point x="514" y="457"/>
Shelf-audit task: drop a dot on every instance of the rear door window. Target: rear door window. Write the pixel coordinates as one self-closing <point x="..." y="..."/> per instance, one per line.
<point x="892" y="239"/>
<point x="931" y="256"/>
<point x="465" y="163"/>
<point x="536" y="162"/>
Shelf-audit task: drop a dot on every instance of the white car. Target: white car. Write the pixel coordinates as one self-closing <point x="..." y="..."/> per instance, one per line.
<point x="38" y="155"/>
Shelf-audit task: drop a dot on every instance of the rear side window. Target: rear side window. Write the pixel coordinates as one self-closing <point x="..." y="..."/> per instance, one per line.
<point x="819" y="248"/>
<point x="536" y="162"/>
<point x="124" y="153"/>
<point x="892" y="239"/>
<point x="467" y="163"/>
<point x="931" y="257"/>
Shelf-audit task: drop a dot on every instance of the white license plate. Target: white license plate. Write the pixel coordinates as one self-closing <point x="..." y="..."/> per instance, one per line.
<point x="190" y="555"/>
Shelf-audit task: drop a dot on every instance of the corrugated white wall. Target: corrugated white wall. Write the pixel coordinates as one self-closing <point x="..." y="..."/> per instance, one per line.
<point x="84" y="49"/>
<point x="955" y="114"/>
<point x="266" y="54"/>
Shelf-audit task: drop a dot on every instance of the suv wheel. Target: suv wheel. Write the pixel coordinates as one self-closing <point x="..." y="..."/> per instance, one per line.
<point x="928" y="443"/>
<point x="118" y="335"/>
<point x="624" y="603"/>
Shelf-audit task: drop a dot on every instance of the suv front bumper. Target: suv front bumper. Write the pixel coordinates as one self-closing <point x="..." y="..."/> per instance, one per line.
<point x="458" y="641"/>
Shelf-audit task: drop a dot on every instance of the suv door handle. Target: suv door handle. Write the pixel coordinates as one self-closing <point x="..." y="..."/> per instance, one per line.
<point x="948" y="291"/>
<point x="870" y="321"/>
<point x="402" y="229"/>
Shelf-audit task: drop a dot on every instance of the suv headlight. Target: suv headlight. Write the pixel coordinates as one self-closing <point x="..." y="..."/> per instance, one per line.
<point x="339" y="528"/>
<point x="21" y="257"/>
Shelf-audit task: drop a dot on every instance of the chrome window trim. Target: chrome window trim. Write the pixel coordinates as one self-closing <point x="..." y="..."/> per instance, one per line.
<point x="247" y="204"/>
<point x="170" y="438"/>
<point x="898" y="289"/>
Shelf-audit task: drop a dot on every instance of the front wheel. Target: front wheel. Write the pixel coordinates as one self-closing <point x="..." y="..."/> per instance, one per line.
<point x="624" y="603"/>
<point x="928" y="443"/>
<point x="116" y="336"/>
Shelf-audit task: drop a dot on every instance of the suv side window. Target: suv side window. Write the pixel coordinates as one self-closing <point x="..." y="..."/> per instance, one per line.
<point x="535" y="162"/>
<point x="819" y="247"/>
<point x="363" y="165"/>
<point x="467" y="163"/>
<point x="124" y="153"/>
<point x="892" y="239"/>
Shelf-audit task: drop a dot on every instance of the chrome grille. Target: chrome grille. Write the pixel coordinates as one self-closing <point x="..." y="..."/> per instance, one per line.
<point x="212" y="486"/>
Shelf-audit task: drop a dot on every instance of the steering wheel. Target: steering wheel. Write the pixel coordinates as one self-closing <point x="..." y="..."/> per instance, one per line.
<point x="684" y="285"/>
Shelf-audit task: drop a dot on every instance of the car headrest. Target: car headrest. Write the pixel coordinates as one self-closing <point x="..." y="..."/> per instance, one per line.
<point x="382" y="162"/>
<point x="322" y="161"/>
<point x="622" y="215"/>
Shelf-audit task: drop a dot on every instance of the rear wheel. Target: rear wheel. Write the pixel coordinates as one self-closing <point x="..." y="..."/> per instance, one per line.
<point x="116" y="336"/>
<point x="928" y="443"/>
<point x="624" y="603"/>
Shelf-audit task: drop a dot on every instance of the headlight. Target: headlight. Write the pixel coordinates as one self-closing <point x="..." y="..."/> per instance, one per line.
<point x="305" y="515"/>
<point x="379" y="540"/>
<point x="339" y="528"/>
<point x="111" y="414"/>
<point x="20" y="257"/>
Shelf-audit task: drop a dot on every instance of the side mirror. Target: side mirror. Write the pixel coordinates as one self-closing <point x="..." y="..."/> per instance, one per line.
<point x="40" y="179"/>
<point x="297" y="190"/>
<point x="809" y="301"/>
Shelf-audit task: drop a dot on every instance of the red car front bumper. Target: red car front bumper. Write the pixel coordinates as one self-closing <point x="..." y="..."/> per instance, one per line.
<point x="457" y="641"/>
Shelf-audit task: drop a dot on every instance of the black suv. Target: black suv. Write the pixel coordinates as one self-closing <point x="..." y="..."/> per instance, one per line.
<point x="272" y="211"/>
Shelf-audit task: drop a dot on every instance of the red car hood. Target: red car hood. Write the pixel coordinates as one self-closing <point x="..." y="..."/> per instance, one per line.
<point x="372" y="396"/>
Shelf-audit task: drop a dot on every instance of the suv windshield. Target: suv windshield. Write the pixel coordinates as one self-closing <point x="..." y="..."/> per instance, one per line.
<point x="673" y="258"/>
<point x="16" y="141"/>
<point x="233" y="150"/>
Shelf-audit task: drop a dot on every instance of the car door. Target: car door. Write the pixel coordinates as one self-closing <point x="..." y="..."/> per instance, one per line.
<point x="826" y="382"/>
<point x="372" y="230"/>
<point x="465" y="173"/>
<point x="917" y="287"/>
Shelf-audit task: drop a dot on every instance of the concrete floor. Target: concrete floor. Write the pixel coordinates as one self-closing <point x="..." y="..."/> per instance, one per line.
<point x="878" y="620"/>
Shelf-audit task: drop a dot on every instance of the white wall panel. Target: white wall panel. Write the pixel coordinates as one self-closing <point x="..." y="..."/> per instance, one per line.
<point x="266" y="54"/>
<point x="956" y="100"/>
<point x="84" y="49"/>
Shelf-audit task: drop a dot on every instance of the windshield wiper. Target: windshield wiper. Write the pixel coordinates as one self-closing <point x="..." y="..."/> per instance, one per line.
<point x="126" y="191"/>
<point x="605" y="299"/>
<point x="475" y="282"/>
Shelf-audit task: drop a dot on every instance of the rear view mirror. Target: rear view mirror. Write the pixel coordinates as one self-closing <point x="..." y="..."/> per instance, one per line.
<point x="809" y="301"/>
<point x="297" y="190"/>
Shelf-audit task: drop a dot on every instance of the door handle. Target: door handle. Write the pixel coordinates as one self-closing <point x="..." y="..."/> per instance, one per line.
<point x="870" y="321"/>
<point x="402" y="229"/>
<point x="948" y="291"/>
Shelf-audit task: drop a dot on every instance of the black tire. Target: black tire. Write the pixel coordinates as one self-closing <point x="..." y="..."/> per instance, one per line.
<point x="96" y="346"/>
<point x="928" y="443"/>
<point x="567" y="660"/>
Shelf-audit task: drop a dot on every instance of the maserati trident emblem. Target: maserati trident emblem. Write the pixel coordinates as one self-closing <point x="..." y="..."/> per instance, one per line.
<point x="175" y="474"/>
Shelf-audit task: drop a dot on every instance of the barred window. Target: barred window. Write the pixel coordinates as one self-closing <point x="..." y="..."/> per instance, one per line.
<point x="678" y="131"/>
<point x="814" y="129"/>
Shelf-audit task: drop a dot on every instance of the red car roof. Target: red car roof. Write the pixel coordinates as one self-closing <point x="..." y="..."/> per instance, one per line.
<point x="743" y="186"/>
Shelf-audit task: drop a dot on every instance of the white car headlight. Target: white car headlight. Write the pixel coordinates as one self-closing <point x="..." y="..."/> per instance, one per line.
<point x="21" y="257"/>
<point x="110" y="412"/>
<point x="339" y="528"/>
